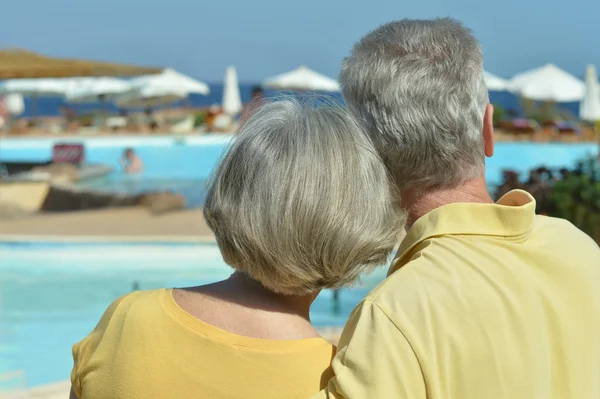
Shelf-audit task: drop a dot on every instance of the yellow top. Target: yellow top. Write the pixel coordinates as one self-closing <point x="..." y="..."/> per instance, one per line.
<point x="146" y="346"/>
<point x="484" y="301"/>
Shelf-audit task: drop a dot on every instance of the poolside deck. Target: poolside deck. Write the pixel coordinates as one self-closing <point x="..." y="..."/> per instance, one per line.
<point x="58" y="390"/>
<point x="111" y="224"/>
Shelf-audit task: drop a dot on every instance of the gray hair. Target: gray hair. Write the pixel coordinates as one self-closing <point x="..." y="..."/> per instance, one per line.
<point x="417" y="87"/>
<point x="301" y="200"/>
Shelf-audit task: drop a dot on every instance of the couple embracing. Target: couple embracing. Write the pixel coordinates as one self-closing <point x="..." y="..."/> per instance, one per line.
<point x="483" y="299"/>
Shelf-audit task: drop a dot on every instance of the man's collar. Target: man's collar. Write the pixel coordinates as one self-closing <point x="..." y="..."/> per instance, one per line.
<point x="511" y="215"/>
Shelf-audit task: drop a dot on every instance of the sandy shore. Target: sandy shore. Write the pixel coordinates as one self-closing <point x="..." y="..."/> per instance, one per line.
<point x="115" y="223"/>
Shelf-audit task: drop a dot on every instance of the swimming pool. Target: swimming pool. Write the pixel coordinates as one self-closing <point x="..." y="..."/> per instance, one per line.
<point x="52" y="295"/>
<point x="184" y="164"/>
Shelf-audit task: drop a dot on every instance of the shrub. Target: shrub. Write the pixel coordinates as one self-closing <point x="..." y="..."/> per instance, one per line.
<point x="499" y="114"/>
<point x="577" y="198"/>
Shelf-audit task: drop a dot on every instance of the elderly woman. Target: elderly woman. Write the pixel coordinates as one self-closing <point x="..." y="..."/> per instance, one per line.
<point x="301" y="202"/>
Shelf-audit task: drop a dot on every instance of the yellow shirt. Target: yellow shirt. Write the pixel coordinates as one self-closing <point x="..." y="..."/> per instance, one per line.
<point x="146" y="346"/>
<point x="484" y="301"/>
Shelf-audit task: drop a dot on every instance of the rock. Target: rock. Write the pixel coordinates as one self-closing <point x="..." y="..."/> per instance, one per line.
<point x="65" y="199"/>
<point x="58" y="172"/>
<point x="12" y="211"/>
<point x="161" y="202"/>
<point x="26" y="195"/>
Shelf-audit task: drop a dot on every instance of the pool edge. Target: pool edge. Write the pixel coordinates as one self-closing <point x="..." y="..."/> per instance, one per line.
<point x="100" y="239"/>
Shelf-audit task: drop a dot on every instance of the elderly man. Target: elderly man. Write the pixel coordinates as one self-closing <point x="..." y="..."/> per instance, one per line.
<point x="484" y="300"/>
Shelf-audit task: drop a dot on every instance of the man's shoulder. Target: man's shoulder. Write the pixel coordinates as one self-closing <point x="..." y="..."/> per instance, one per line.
<point x="564" y="232"/>
<point x="554" y="222"/>
<point x="402" y="283"/>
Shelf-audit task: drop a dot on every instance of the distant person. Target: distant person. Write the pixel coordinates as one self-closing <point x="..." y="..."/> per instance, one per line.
<point x="213" y="112"/>
<point x="71" y="119"/>
<point x="484" y="300"/>
<point x="131" y="163"/>
<point x="300" y="202"/>
<point x="68" y="113"/>
<point x="257" y="95"/>
<point x="4" y="114"/>
<point x="336" y="308"/>
<point x="151" y="118"/>
<point x="257" y="100"/>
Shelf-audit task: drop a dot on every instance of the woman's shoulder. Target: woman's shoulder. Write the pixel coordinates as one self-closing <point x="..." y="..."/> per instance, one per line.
<point x="141" y="298"/>
<point x="140" y="303"/>
<point x="107" y="332"/>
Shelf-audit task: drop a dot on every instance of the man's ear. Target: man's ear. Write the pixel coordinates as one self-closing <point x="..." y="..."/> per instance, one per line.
<point x="488" y="130"/>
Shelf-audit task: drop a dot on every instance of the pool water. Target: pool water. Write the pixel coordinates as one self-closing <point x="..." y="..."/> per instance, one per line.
<point x="52" y="295"/>
<point x="183" y="165"/>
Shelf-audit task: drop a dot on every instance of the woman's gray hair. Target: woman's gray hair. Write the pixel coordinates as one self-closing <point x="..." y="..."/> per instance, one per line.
<point x="417" y="87"/>
<point x="301" y="200"/>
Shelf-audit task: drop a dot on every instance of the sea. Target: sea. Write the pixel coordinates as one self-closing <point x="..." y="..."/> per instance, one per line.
<point x="50" y="106"/>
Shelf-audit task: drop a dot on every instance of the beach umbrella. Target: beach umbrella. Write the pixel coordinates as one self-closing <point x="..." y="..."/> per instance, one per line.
<point x="493" y="82"/>
<point x="302" y="79"/>
<point x="101" y="89"/>
<point x="42" y="87"/>
<point x="36" y="87"/>
<point x="232" y="102"/>
<point x="164" y="88"/>
<point x="589" y="109"/>
<point x="547" y="83"/>
<point x="17" y="63"/>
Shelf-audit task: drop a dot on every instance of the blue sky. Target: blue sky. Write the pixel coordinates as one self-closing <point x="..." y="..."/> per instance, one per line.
<point x="265" y="37"/>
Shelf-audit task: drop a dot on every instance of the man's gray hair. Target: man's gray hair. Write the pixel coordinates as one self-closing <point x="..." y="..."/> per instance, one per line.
<point x="417" y="87"/>
<point x="302" y="201"/>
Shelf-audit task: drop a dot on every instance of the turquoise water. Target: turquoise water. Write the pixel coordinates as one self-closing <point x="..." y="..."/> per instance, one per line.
<point x="51" y="296"/>
<point x="183" y="165"/>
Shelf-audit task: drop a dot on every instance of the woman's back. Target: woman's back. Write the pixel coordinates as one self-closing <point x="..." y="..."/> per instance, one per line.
<point x="147" y="346"/>
<point x="299" y="203"/>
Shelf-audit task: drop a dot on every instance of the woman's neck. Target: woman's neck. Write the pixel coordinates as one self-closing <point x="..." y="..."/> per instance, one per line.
<point x="242" y="289"/>
<point x="243" y="306"/>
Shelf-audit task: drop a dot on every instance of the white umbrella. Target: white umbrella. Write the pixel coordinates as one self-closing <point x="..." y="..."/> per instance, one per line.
<point x="164" y="88"/>
<point x="547" y="83"/>
<point x="36" y="87"/>
<point x="15" y="104"/>
<point x="302" y="79"/>
<point x="42" y="87"/>
<point x="96" y="89"/>
<point x="232" y="102"/>
<point x="493" y="82"/>
<point x="589" y="109"/>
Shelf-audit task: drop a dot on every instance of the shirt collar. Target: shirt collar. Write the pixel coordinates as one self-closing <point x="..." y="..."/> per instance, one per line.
<point x="511" y="215"/>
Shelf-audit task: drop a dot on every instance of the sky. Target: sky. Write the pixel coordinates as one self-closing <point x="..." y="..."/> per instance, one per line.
<point x="266" y="37"/>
